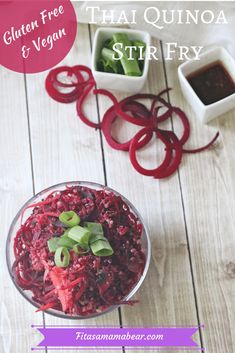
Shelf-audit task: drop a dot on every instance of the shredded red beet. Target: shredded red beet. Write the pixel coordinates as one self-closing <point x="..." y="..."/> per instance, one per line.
<point x="90" y="284"/>
<point x="133" y="111"/>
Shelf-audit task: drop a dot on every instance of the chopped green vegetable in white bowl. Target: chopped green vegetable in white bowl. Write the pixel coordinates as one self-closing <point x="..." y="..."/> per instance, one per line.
<point x="118" y="59"/>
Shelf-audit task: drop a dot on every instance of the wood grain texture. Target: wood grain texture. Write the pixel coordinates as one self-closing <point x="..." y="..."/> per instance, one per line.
<point x="65" y="149"/>
<point x="16" y="315"/>
<point x="166" y="297"/>
<point x="207" y="181"/>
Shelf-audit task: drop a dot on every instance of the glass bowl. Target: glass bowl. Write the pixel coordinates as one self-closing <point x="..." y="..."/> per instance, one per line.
<point x="146" y="246"/>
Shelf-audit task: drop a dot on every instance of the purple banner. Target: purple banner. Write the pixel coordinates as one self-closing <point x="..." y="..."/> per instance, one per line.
<point x="118" y="337"/>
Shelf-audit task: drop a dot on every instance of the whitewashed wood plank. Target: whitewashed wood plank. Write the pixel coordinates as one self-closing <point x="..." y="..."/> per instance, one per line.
<point x="16" y="314"/>
<point x="64" y="149"/>
<point x="209" y="198"/>
<point x="166" y="297"/>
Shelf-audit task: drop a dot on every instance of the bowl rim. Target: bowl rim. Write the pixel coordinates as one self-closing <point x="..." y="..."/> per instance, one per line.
<point x="77" y="183"/>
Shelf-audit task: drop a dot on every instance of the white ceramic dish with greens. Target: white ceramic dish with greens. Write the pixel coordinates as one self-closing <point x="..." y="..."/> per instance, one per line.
<point x="115" y="81"/>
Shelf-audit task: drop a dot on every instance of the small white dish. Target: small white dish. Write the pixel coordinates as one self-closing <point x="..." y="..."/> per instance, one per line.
<point x="112" y="81"/>
<point x="207" y="112"/>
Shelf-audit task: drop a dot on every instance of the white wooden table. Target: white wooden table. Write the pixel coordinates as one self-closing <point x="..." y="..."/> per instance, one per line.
<point x="191" y="215"/>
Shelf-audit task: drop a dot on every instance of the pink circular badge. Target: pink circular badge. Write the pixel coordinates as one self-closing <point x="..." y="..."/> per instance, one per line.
<point x="35" y="35"/>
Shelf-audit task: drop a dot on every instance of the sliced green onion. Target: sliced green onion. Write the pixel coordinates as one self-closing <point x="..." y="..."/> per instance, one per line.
<point x="100" y="65"/>
<point x="108" y="54"/>
<point x="107" y="62"/>
<point x="53" y="244"/>
<point x="101" y="248"/>
<point x="110" y="62"/>
<point x="139" y="44"/>
<point x="94" y="228"/>
<point x="69" y="218"/>
<point x="105" y="66"/>
<point x="65" y="232"/>
<point x="65" y="241"/>
<point x="109" y="44"/>
<point x="62" y="257"/>
<point x="79" y="235"/>
<point x="77" y="249"/>
<point x="140" y="48"/>
<point x="130" y="67"/>
<point x="96" y="237"/>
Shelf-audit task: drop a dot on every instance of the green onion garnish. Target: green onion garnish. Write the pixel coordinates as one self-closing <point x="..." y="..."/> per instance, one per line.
<point x="65" y="241"/>
<point x="101" y="247"/>
<point x="53" y="244"/>
<point x="130" y="67"/>
<point x="62" y="257"/>
<point x="81" y="240"/>
<point x="96" y="237"/>
<point x="109" y="44"/>
<point x="109" y="64"/>
<point x="80" y="250"/>
<point x="94" y="228"/>
<point x="108" y="54"/>
<point x="79" y="235"/>
<point x="139" y="44"/>
<point x="139" y="53"/>
<point x="123" y="56"/>
<point x="69" y="218"/>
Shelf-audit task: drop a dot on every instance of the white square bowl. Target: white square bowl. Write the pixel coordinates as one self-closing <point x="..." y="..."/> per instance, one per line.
<point x="112" y="81"/>
<point x="207" y="112"/>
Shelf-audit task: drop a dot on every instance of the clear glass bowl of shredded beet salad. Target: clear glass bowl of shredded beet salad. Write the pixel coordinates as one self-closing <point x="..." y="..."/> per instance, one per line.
<point x="78" y="250"/>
